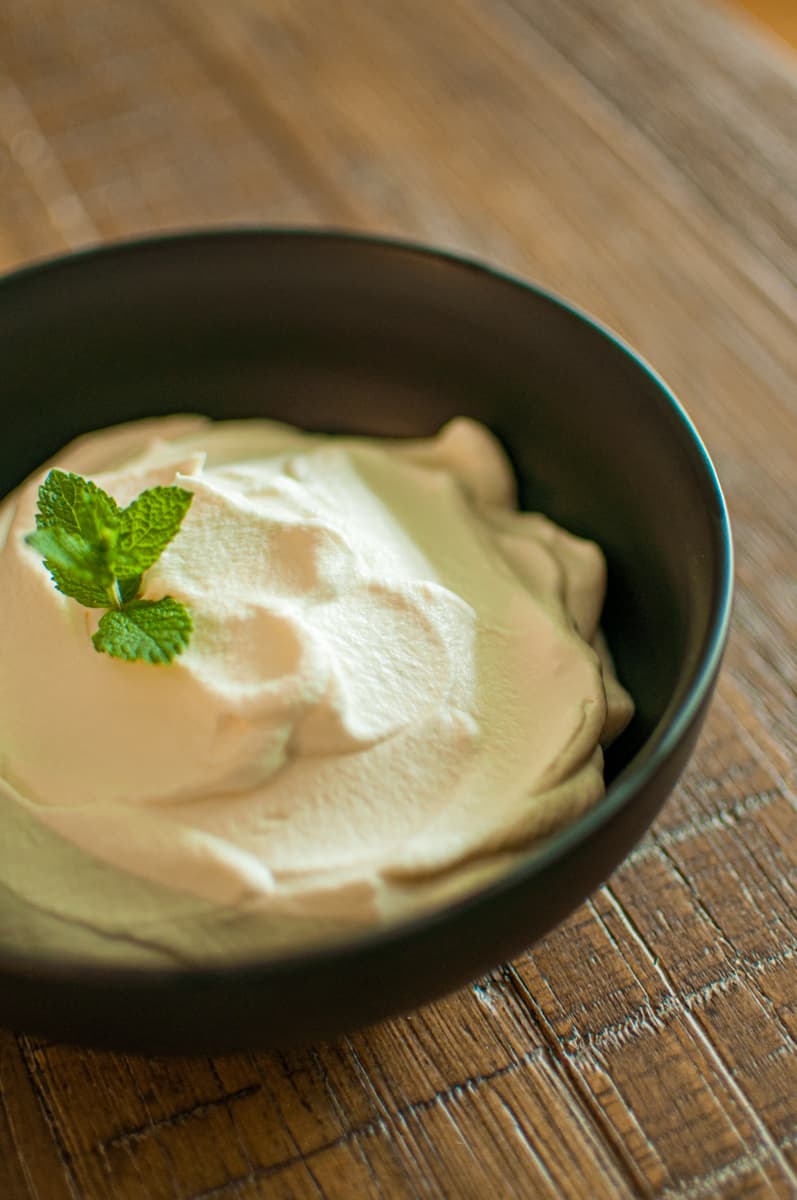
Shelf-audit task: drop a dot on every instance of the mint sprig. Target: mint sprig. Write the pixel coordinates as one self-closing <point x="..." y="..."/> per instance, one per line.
<point x="97" y="553"/>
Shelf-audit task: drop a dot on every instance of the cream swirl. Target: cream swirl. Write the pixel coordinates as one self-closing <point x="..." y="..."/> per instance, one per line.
<point x="392" y="672"/>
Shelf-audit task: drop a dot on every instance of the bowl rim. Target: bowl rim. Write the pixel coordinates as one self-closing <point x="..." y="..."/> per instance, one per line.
<point x="642" y="768"/>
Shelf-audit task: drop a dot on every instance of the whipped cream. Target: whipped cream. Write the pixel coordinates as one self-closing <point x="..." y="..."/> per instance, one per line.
<point x="396" y="681"/>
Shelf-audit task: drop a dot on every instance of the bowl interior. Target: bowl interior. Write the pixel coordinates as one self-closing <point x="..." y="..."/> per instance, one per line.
<point x="336" y="333"/>
<point x="339" y="333"/>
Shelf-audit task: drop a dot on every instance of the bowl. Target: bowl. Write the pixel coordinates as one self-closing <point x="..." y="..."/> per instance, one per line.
<point x="342" y="333"/>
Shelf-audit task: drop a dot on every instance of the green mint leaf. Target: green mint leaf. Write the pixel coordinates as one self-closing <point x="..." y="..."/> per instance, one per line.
<point x="151" y="630"/>
<point x="70" y="552"/>
<point x="147" y="526"/>
<point x="75" y="505"/>
<point x="90" y="595"/>
<point x="79" y="568"/>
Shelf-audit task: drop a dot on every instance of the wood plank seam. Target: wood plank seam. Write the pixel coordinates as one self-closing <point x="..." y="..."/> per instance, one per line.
<point x="710" y="1185"/>
<point x="64" y="1156"/>
<point x="697" y="1187"/>
<point x="410" y="1133"/>
<point x="163" y="1151"/>
<point x="712" y="1053"/>
<point x="340" y="1112"/>
<point x="724" y="820"/>
<point x="17" y="1141"/>
<point x="649" y="1015"/>
<point x="531" y="1149"/>
<point x="722" y="938"/>
<point x="239" y="1137"/>
<point x="669" y="1006"/>
<point x="369" y="1129"/>
<point x="10" y="1053"/>
<point x="180" y="1117"/>
<point x="625" y="1162"/>
<point x="386" y="1117"/>
<point x="299" y="1157"/>
<point x="233" y="1187"/>
<point x="511" y="1015"/>
<point x="104" y="1161"/>
<point x="772" y="881"/>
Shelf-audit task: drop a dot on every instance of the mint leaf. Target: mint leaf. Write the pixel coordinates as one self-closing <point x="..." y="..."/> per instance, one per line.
<point x="147" y="526"/>
<point x="75" y="505"/>
<point x="78" y="567"/>
<point x="152" y="630"/>
<point x="89" y="594"/>
<point x="71" y="552"/>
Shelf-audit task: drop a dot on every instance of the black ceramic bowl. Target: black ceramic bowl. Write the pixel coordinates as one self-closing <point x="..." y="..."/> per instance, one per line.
<point x="335" y="332"/>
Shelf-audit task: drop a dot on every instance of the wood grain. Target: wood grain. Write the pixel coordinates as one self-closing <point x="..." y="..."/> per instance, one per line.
<point x="639" y="157"/>
<point x="776" y="17"/>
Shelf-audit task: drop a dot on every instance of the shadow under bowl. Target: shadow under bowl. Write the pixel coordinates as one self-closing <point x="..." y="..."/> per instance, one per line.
<point x="340" y="333"/>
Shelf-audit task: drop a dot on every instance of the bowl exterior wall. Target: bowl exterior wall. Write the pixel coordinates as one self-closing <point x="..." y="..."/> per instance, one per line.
<point x="340" y="333"/>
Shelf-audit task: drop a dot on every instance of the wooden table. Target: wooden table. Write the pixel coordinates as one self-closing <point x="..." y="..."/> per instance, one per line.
<point x="778" y="16"/>
<point x="639" y="156"/>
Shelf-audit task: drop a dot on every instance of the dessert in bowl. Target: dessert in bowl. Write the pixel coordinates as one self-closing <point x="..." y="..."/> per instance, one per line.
<point x="354" y="337"/>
